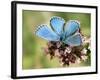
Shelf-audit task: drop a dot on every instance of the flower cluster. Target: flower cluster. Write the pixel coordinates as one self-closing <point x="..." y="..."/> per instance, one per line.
<point x="67" y="54"/>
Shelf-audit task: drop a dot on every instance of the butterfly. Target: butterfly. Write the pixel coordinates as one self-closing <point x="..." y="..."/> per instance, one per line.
<point x="68" y="32"/>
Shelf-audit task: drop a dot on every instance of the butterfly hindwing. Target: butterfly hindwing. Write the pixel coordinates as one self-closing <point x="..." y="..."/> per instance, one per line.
<point x="57" y="24"/>
<point x="45" y="32"/>
<point x="71" y="27"/>
<point x="74" y="40"/>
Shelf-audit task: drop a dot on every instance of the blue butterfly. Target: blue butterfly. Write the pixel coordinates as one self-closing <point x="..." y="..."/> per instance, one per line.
<point x="67" y="33"/>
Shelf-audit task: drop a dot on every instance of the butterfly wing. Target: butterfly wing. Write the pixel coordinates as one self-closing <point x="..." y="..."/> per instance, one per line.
<point x="74" y="40"/>
<point x="57" y="24"/>
<point x="71" y="27"/>
<point x="44" y="32"/>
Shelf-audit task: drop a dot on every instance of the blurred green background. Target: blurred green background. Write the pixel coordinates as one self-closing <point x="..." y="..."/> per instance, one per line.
<point x="33" y="54"/>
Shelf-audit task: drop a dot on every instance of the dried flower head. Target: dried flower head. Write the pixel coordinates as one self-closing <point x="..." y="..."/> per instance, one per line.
<point x="65" y="53"/>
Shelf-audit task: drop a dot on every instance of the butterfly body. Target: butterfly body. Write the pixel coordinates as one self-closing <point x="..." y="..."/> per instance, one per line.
<point x="67" y="33"/>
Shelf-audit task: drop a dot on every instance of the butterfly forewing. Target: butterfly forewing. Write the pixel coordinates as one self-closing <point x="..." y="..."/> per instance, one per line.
<point x="45" y="32"/>
<point x="57" y="24"/>
<point x="71" y="27"/>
